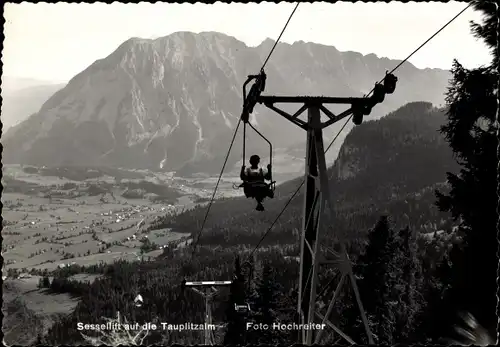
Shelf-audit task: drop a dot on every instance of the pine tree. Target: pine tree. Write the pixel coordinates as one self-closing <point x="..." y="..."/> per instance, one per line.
<point x="236" y="327"/>
<point x="406" y="266"/>
<point x="266" y="308"/>
<point x="378" y="281"/>
<point x="471" y="133"/>
<point x="431" y="321"/>
<point x="40" y="340"/>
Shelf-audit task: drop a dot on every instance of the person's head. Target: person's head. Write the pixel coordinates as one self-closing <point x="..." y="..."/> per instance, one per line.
<point x="254" y="160"/>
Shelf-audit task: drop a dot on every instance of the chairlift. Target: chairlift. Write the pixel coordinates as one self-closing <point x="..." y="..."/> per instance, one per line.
<point x="242" y="309"/>
<point x="254" y="189"/>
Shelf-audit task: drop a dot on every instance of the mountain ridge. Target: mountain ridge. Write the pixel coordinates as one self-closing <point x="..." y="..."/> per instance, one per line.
<point x="23" y="97"/>
<point x="172" y="103"/>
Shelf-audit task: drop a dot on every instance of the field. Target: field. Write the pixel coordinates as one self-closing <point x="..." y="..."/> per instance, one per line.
<point x="55" y="217"/>
<point x="29" y="310"/>
<point x="51" y="220"/>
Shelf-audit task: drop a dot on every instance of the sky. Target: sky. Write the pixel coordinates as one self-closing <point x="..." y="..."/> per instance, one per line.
<point x="54" y="42"/>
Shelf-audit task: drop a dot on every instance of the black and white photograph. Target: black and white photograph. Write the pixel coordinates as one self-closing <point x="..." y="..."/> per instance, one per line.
<point x="226" y="173"/>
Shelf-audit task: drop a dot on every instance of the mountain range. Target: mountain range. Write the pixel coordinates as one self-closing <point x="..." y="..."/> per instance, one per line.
<point x="23" y="97"/>
<point x="172" y="103"/>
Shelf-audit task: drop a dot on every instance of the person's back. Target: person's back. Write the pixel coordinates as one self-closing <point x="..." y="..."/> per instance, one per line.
<point x="256" y="177"/>
<point x="254" y="174"/>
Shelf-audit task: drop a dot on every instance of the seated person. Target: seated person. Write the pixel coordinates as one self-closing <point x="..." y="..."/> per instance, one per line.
<point x="254" y="181"/>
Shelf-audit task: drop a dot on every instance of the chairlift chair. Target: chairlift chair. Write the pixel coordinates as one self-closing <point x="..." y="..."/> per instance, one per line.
<point x="242" y="309"/>
<point x="251" y="188"/>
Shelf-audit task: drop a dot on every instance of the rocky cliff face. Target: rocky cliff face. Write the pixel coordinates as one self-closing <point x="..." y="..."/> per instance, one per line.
<point x="172" y="103"/>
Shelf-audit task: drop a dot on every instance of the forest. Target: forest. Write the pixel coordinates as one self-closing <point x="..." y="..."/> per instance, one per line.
<point x="415" y="198"/>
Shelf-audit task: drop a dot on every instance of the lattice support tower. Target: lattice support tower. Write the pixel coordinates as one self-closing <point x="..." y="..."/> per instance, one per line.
<point x="207" y="290"/>
<point x="316" y="200"/>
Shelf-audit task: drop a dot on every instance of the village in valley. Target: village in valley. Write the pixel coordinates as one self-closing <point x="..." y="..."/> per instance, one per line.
<point x="53" y="222"/>
<point x="71" y="219"/>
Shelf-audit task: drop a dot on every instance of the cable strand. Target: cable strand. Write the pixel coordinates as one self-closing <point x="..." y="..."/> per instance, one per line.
<point x="430" y="38"/>
<point x="215" y="189"/>
<point x="292" y="197"/>
<point x="349" y="118"/>
<point x="279" y="37"/>
<point x="244" y="132"/>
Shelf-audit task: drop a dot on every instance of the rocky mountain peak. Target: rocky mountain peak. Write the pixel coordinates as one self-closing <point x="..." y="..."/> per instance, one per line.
<point x="171" y="103"/>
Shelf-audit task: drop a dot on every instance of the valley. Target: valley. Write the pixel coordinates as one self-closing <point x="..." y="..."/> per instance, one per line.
<point x="51" y="222"/>
<point x="54" y="217"/>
